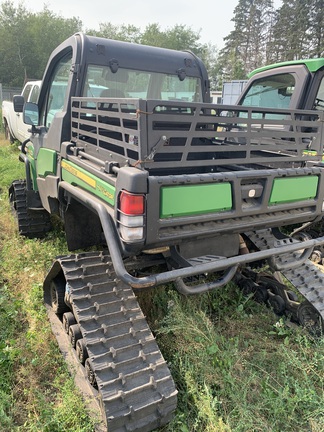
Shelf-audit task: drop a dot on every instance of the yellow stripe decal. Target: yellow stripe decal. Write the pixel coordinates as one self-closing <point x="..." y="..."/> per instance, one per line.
<point x="77" y="173"/>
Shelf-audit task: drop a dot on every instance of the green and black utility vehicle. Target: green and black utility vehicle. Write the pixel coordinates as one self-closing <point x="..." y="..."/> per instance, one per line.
<point x="127" y="149"/>
<point x="297" y="84"/>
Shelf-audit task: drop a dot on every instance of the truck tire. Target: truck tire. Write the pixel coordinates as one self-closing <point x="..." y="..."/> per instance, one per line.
<point x="31" y="223"/>
<point x="8" y="135"/>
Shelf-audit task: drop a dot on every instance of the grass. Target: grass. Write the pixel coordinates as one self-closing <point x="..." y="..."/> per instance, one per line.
<point x="236" y="372"/>
<point x="237" y="367"/>
<point x="36" y="391"/>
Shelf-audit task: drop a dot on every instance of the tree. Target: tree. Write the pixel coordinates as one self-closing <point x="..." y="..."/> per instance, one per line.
<point x="246" y="46"/>
<point x="46" y="31"/>
<point x="317" y="28"/>
<point x="126" y="33"/>
<point x="153" y="35"/>
<point x="291" y="36"/>
<point x="27" y="39"/>
<point x="14" y="43"/>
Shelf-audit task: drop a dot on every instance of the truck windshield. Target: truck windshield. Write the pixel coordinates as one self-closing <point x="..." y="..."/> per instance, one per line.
<point x="271" y="92"/>
<point x="102" y="82"/>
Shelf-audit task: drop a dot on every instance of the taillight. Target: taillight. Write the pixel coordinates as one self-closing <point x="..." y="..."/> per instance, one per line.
<point x="131" y="204"/>
<point x="131" y="216"/>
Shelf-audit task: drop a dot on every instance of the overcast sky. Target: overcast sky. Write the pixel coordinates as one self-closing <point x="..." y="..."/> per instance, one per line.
<point x="211" y="17"/>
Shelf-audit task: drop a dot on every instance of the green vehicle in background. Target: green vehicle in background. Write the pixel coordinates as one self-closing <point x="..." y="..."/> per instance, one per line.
<point x="295" y="84"/>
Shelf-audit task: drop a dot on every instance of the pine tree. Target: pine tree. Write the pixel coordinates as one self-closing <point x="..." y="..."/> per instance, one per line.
<point x="246" y="46"/>
<point x="317" y="28"/>
<point x="291" y="31"/>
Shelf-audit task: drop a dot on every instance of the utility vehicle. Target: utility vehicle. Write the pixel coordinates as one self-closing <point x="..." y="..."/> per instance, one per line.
<point x="165" y="187"/>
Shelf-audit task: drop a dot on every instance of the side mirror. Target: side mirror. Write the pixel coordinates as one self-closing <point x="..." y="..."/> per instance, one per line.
<point x="18" y="103"/>
<point x="31" y="114"/>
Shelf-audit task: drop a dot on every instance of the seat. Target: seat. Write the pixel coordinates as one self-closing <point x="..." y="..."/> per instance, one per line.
<point x="113" y="93"/>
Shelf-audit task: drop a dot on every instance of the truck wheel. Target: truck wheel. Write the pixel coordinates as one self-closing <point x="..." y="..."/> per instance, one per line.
<point x="8" y="135"/>
<point x="31" y="223"/>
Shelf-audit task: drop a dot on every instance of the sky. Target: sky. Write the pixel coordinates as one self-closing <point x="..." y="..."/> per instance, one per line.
<point x="211" y="17"/>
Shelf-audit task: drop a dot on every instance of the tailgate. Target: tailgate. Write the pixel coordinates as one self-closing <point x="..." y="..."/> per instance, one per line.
<point x="206" y="204"/>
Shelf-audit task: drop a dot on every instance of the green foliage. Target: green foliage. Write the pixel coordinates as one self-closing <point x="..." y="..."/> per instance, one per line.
<point x="36" y="391"/>
<point x="237" y="368"/>
<point x="291" y="38"/>
<point x="245" y="46"/>
<point x="263" y="35"/>
<point x="126" y="33"/>
<point x="27" y="39"/>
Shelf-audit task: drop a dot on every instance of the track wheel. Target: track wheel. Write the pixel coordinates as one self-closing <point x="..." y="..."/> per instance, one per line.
<point x="261" y="295"/>
<point x="74" y="334"/>
<point x="90" y="374"/>
<point x="81" y="351"/>
<point x="277" y="303"/>
<point x="247" y="286"/>
<point x="57" y="290"/>
<point x="310" y="319"/>
<point x="68" y="320"/>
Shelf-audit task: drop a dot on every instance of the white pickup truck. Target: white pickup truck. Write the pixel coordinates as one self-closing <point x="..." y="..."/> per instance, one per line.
<point x="12" y="116"/>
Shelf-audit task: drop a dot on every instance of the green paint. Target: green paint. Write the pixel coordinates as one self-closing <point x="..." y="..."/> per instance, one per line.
<point x="312" y="65"/>
<point x="285" y="190"/>
<point x="46" y="162"/>
<point x="195" y="199"/>
<point x="30" y="156"/>
<point x="77" y="176"/>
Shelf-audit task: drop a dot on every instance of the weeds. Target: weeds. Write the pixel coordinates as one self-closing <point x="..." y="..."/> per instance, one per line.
<point x="234" y="373"/>
<point x="36" y="391"/>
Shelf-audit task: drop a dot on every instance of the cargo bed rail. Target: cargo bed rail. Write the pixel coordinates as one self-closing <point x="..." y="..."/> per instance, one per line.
<point x="159" y="135"/>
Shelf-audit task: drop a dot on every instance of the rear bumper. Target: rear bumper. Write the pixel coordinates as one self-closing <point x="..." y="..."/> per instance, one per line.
<point x="296" y="250"/>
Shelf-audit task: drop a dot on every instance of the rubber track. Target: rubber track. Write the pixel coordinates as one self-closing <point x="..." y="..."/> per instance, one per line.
<point x="31" y="223"/>
<point x="135" y="386"/>
<point x="308" y="279"/>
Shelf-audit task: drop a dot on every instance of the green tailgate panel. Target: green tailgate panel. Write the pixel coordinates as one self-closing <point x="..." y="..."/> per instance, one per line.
<point x="285" y="190"/>
<point x="195" y="199"/>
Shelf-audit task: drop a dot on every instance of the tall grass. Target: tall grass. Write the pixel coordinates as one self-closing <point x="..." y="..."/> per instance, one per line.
<point x="238" y="368"/>
<point x="236" y="365"/>
<point x="36" y="391"/>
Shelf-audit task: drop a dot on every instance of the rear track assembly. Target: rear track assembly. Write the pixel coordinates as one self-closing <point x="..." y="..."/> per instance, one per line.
<point x="124" y="363"/>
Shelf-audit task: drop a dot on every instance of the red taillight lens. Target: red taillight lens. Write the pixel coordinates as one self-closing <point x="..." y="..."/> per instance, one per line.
<point x="131" y="204"/>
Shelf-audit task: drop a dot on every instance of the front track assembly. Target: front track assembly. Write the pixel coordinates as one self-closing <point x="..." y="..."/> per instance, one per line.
<point x="113" y="341"/>
<point x="32" y="223"/>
